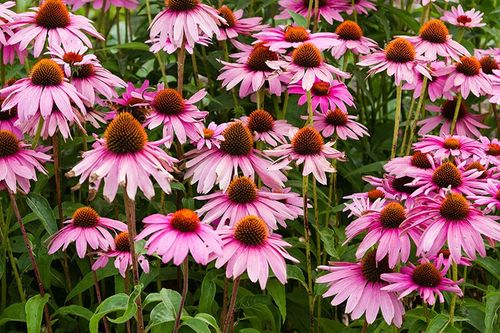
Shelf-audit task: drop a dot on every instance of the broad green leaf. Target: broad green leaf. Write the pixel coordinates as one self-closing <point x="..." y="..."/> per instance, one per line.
<point x="131" y="308"/>
<point x="328" y="239"/>
<point x="207" y="293"/>
<point x="298" y="19"/>
<point x="160" y="314"/>
<point x="34" y="312"/>
<point x="114" y="303"/>
<point x="491" y="265"/>
<point x="75" y="310"/>
<point x="437" y="324"/>
<point x="41" y="207"/>
<point x="277" y="292"/>
<point x="491" y="309"/>
<point x="211" y="321"/>
<point x="88" y="280"/>
<point x="14" y="312"/>
<point x="198" y="325"/>
<point x="295" y="273"/>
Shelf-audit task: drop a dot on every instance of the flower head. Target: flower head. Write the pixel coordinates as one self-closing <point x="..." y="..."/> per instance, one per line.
<point x="121" y="252"/>
<point x="350" y="37"/>
<point x="447" y="146"/>
<point x="212" y="135"/>
<point x="51" y="22"/>
<point x="360" y="284"/>
<point x="208" y="167"/>
<point x="243" y="198"/>
<point x="125" y="157"/>
<point x="327" y="9"/>
<point x="466" y="76"/>
<point x="18" y="163"/>
<point x="184" y="23"/>
<point x="282" y="38"/>
<point x="178" y="234"/>
<point x="326" y="95"/>
<point x="450" y="218"/>
<point x="249" y="246"/>
<point x="237" y="25"/>
<point x="435" y="85"/>
<point x="426" y="278"/>
<point x="463" y="19"/>
<point x="308" y="148"/>
<point x="337" y="122"/>
<point x="399" y="59"/>
<point x="87" y="229"/>
<point x="266" y="128"/>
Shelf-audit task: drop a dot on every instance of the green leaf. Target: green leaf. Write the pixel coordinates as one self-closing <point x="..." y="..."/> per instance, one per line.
<point x="88" y="280"/>
<point x="298" y="19"/>
<point x="137" y="46"/>
<point x="41" y="207"/>
<point x="328" y="239"/>
<point x="277" y="292"/>
<point x="14" y="312"/>
<point x="131" y="308"/>
<point x="198" y="325"/>
<point x="207" y="293"/>
<point x="114" y="303"/>
<point x="249" y="330"/>
<point x="75" y="310"/>
<point x="491" y="309"/>
<point x="34" y="312"/>
<point x="211" y="321"/>
<point x="491" y="265"/>
<point x="166" y="310"/>
<point x="295" y="273"/>
<point x="437" y="324"/>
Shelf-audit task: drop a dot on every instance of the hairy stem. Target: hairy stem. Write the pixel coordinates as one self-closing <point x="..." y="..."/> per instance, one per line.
<point x="229" y="322"/>
<point x="397" y="115"/>
<point x="185" y="281"/>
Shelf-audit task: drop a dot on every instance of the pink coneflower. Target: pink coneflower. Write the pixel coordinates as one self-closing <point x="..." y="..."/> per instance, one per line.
<point x="44" y="89"/>
<point x="450" y="218"/>
<point x="384" y="229"/>
<point x="398" y="59"/>
<point x="11" y="53"/>
<point x="208" y="167"/>
<point x="491" y="149"/>
<point x="122" y="255"/>
<point x="265" y="128"/>
<point x="180" y="117"/>
<point x="350" y="36"/>
<point x="129" y="102"/>
<point x="327" y="9"/>
<point x="434" y="40"/>
<point x="458" y="17"/>
<point x="212" y="136"/>
<point x="360" y="284"/>
<point x="248" y="246"/>
<point x="488" y="196"/>
<point x="445" y="175"/>
<point x="425" y="278"/>
<point x="401" y="166"/>
<point x="158" y="44"/>
<point x="307" y="66"/>
<point x="51" y="22"/>
<point x="175" y="235"/>
<point x="435" y="85"/>
<point x="54" y="122"/>
<point x="236" y="25"/>
<point x="361" y="7"/>
<point x="87" y="229"/>
<point x="8" y="120"/>
<point x="87" y="75"/>
<point x="282" y="38"/>
<point x="442" y="147"/>
<point x="467" y="76"/>
<point x="243" y="198"/>
<point x="363" y="205"/>
<point x="326" y="95"/>
<point x="184" y="22"/>
<point x="105" y="4"/>
<point x="125" y="157"/>
<point x="468" y="124"/>
<point x="339" y="123"/>
<point x="307" y="147"/>
<point x="443" y="258"/>
<point x="18" y="164"/>
<point x="395" y="188"/>
<point x="495" y="87"/>
<point x="251" y="70"/>
<point x="5" y="13"/>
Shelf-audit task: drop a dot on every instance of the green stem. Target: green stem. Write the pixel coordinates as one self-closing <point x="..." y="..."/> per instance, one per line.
<point x="396" y="121"/>
<point x="226" y="58"/>
<point x="195" y="70"/>
<point x="455" y="115"/>
<point x="185" y="278"/>
<point x="420" y="107"/>
<point x="316" y="15"/>
<point x="407" y="126"/>
<point x="307" y="240"/>
<point x="316" y="220"/>
<point x="181" y="59"/>
<point x="454" y="269"/>
<point x="310" y="119"/>
<point x="285" y="105"/>
<point x="353" y="2"/>
<point x="38" y="132"/>
<point x="228" y="324"/>
<point x="309" y="13"/>
<point x="4" y="233"/>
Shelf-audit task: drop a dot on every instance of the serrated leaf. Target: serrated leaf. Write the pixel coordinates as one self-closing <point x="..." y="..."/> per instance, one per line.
<point x="41" y="207"/>
<point x="34" y="312"/>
